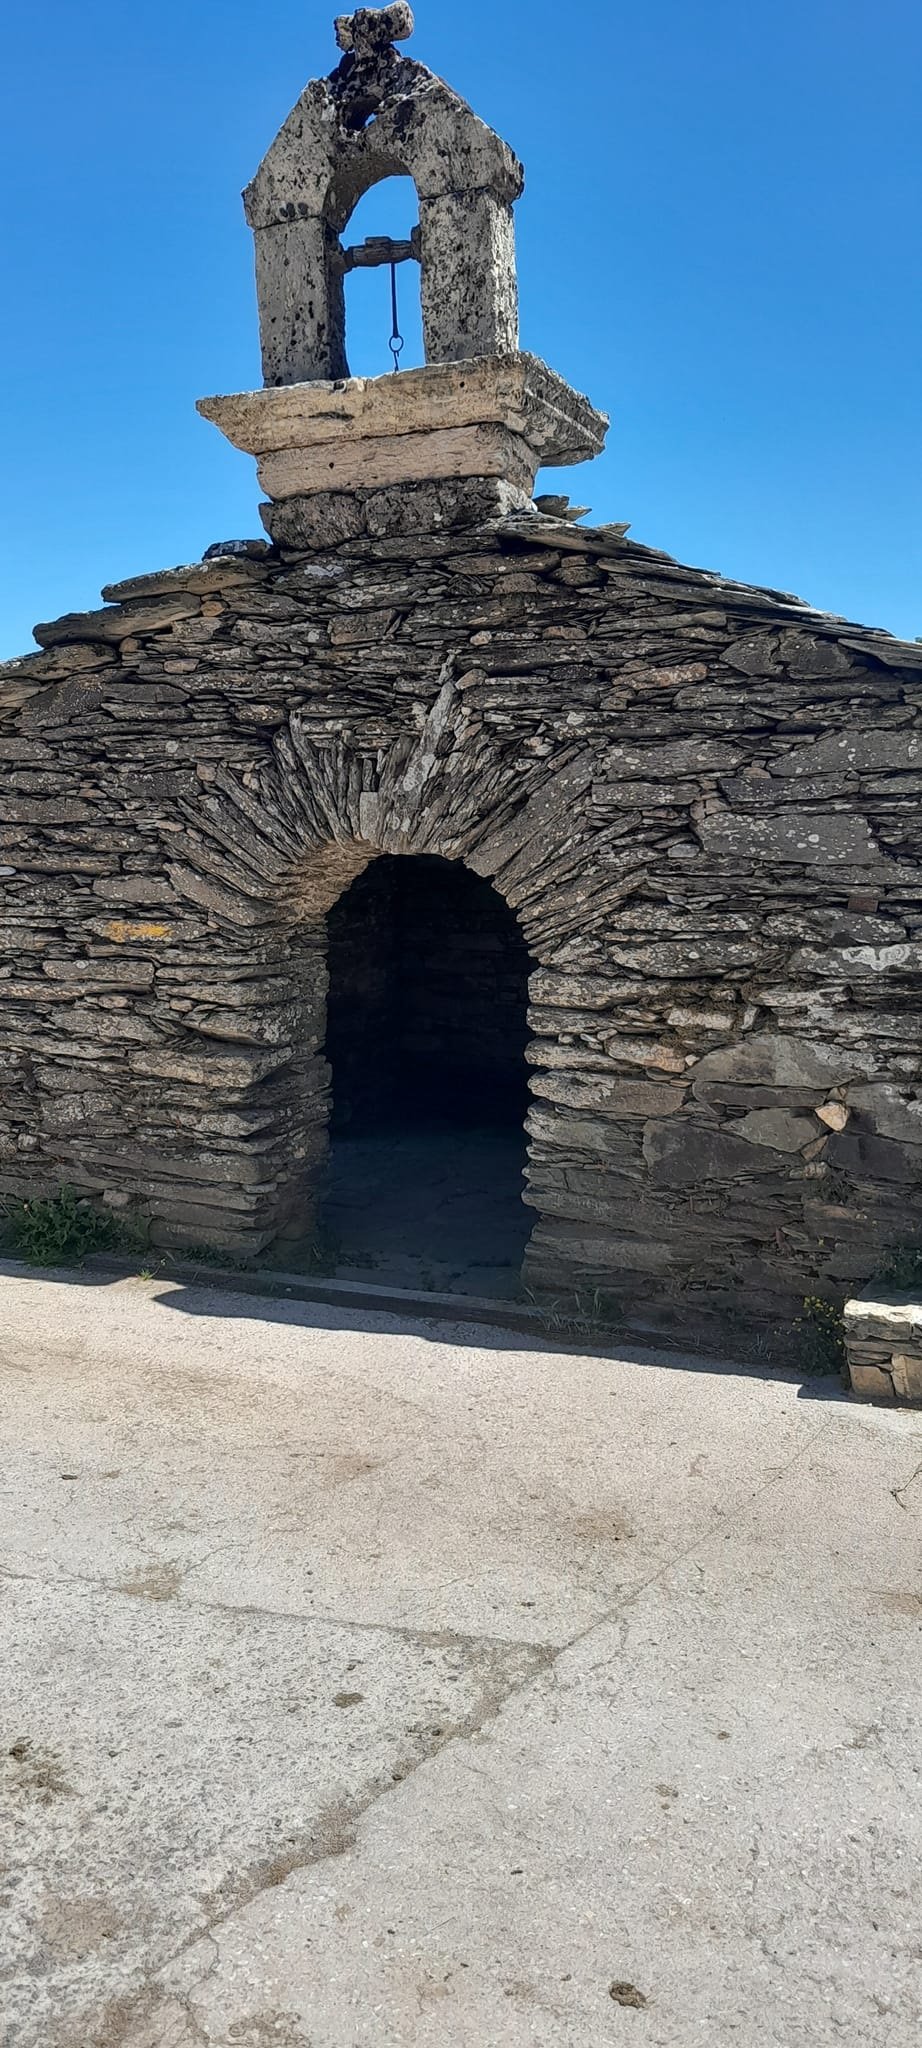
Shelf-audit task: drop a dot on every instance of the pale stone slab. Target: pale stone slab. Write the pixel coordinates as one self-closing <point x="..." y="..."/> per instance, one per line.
<point x="373" y="26"/>
<point x="517" y="392"/>
<point x="398" y="459"/>
<point x="780" y="1129"/>
<point x="891" y="1111"/>
<point x="815" y="839"/>
<point x="896" y="1315"/>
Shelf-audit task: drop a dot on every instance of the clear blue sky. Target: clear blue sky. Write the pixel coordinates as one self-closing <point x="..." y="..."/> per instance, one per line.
<point x="719" y="241"/>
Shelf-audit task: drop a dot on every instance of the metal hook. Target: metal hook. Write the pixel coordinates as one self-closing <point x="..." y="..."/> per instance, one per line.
<point x="396" y="343"/>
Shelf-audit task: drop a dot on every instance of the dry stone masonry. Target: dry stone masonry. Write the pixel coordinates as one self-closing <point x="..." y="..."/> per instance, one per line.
<point x="700" y="800"/>
<point x="883" y="1343"/>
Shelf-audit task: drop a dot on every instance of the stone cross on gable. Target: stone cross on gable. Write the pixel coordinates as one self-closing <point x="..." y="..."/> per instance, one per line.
<point x="372" y="29"/>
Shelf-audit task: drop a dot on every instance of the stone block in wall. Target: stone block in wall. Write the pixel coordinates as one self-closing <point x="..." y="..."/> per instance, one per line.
<point x="608" y="1095"/>
<point x="871" y="1382"/>
<point x="866" y="1157"/>
<point x="119" y="623"/>
<point x="780" y="1129"/>
<point x="681" y="1154"/>
<point x="890" y="1110"/>
<point x="234" y="1072"/>
<point x="779" y="1060"/>
<point x="166" y="1236"/>
<point x="849" y="753"/>
<point x="819" y="839"/>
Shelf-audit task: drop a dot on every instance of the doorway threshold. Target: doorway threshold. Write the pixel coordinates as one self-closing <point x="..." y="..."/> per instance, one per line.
<point x="434" y="1210"/>
<point x="280" y="1283"/>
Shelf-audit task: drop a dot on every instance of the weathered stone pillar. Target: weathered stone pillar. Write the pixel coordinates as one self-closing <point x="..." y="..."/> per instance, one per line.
<point x="302" y="309"/>
<point x="470" y="294"/>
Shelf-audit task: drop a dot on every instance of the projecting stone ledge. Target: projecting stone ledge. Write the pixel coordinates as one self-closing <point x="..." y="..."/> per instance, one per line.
<point x="496" y="416"/>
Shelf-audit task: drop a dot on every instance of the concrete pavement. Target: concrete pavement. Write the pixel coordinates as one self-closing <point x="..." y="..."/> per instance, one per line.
<point x="379" y="1684"/>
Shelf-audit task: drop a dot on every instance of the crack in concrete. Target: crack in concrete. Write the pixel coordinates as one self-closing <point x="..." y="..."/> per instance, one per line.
<point x="263" y="1876"/>
<point x="342" y="1823"/>
<point x="618" y="1611"/>
<point x="899" y="1491"/>
<point x="427" y="1638"/>
<point x="336" y="1831"/>
<point x="333" y="1834"/>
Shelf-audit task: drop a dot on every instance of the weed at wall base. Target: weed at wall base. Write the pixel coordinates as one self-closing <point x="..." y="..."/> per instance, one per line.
<point x="902" y="1267"/>
<point x="820" y="1337"/>
<point x="63" y="1229"/>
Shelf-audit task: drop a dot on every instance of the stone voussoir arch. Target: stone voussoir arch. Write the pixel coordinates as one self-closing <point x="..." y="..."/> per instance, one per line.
<point x="295" y="833"/>
<point x="316" y="813"/>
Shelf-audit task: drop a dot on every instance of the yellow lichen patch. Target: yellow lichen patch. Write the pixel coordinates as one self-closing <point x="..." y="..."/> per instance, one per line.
<point x="121" y="931"/>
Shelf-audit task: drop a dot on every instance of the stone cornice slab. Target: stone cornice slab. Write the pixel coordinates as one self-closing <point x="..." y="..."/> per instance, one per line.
<point x="517" y="393"/>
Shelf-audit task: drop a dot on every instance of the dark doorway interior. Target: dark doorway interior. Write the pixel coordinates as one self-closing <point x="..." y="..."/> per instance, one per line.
<point x="426" y="1037"/>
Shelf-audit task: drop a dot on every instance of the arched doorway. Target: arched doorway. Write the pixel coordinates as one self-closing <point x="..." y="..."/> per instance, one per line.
<point x="426" y="1036"/>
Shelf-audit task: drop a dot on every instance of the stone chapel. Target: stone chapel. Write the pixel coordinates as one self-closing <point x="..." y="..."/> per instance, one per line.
<point x="439" y="808"/>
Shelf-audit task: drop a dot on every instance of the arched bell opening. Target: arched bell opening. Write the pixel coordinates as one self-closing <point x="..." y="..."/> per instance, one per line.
<point x="426" y="1036"/>
<point x="381" y="270"/>
<point x="375" y="119"/>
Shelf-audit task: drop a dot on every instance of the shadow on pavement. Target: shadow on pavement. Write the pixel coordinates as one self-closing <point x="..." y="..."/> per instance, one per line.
<point x="252" y="1297"/>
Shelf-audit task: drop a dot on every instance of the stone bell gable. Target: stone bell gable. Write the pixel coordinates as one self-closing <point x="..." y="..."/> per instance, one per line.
<point x="479" y="407"/>
<point x="697" y="802"/>
<point x="378" y="116"/>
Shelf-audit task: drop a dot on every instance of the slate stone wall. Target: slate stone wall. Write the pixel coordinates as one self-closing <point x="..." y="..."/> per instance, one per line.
<point x="701" y="800"/>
